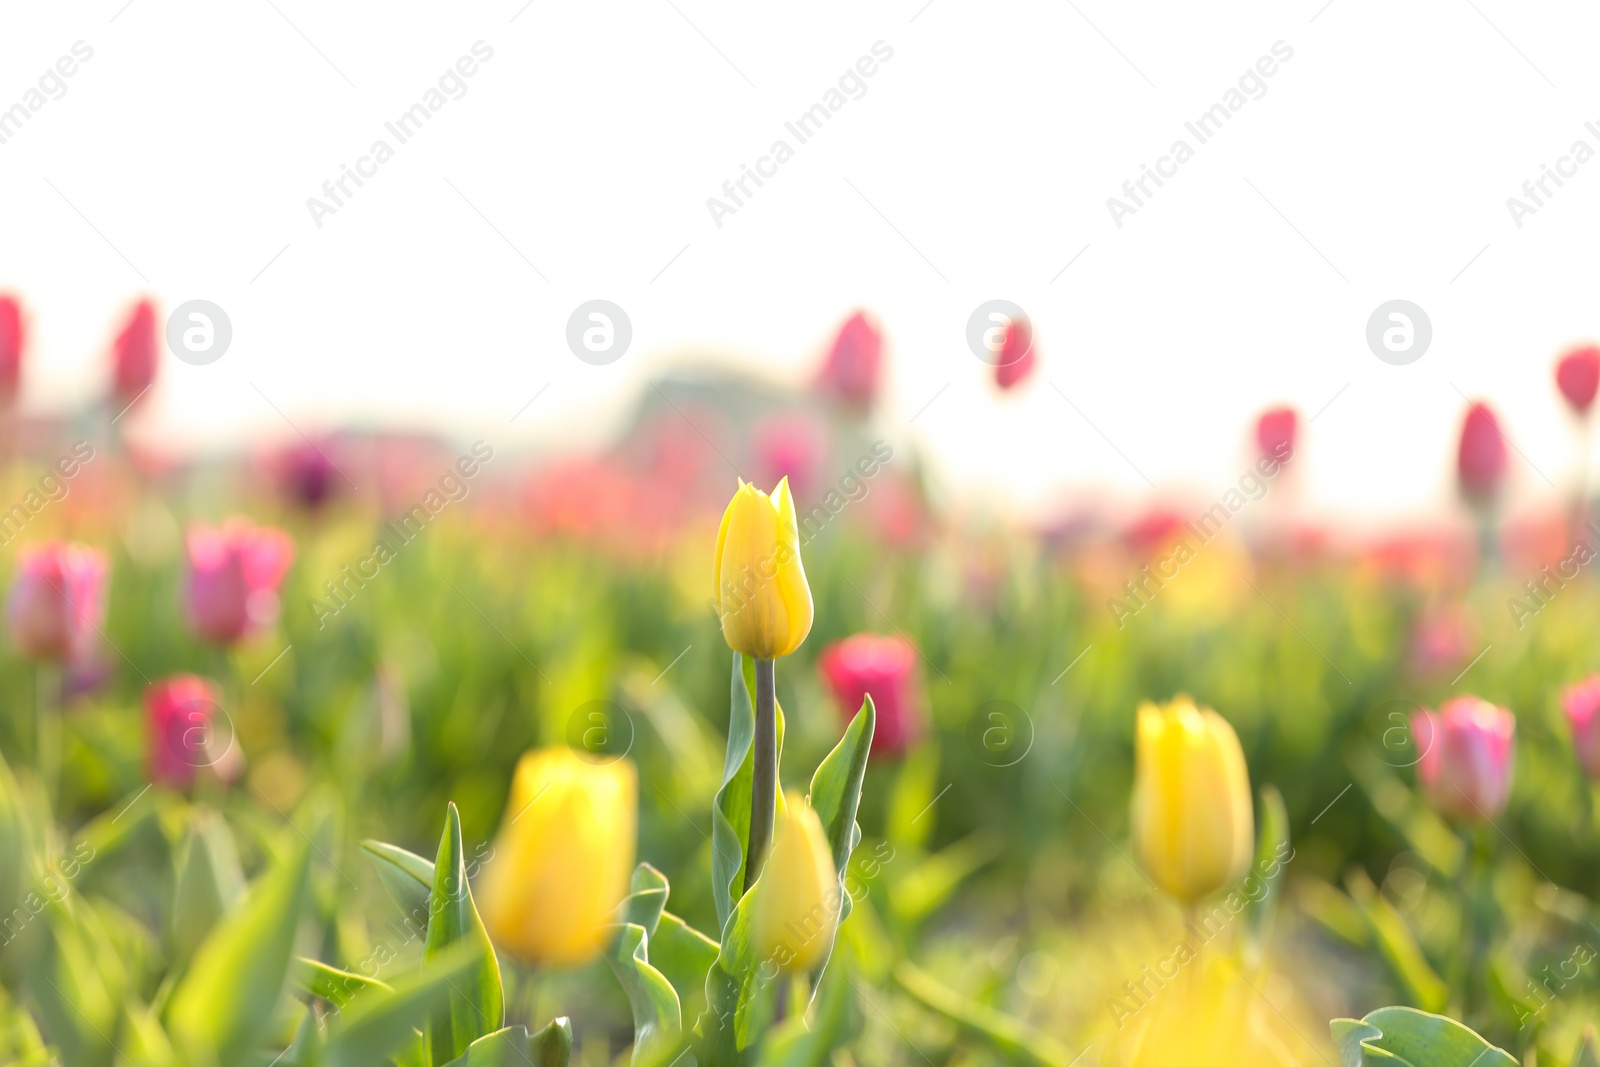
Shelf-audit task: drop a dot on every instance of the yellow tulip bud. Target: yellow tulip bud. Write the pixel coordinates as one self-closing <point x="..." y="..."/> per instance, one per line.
<point x="797" y="899"/>
<point x="762" y="596"/>
<point x="562" y="857"/>
<point x="1193" y="825"/>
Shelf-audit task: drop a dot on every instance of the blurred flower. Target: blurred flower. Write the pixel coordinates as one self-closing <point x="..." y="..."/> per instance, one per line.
<point x="885" y="668"/>
<point x="1017" y="354"/>
<point x="135" y="353"/>
<point x="562" y="857"/>
<point x="797" y="899"/>
<point x="1193" y="824"/>
<point x="854" y="365"/>
<point x="1441" y="640"/>
<point x="178" y="715"/>
<point x="1481" y="459"/>
<point x="1276" y="430"/>
<point x="1465" y="767"/>
<point x="1581" y="702"/>
<point x="57" y="600"/>
<point x="1578" y="376"/>
<point x="12" y="335"/>
<point x="231" y="584"/>
<point x="762" y="597"/>
<point x="307" y="474"/>
<point x="790" y="446"/>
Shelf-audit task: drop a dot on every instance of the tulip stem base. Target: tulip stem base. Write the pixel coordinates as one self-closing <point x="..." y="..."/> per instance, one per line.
<point x="764" y="776"/>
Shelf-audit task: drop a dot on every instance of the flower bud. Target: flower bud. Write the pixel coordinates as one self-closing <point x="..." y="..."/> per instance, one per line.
<point x="57" y="600"/>
<point x="1465" y="769"/>
<point x="134" y="354"/>
<point x="1578" y="377"/>
<point x="1193" y="825"/>
<point x="231" y="585"/>
<point x="13" y="334"/>
<point x="179" y="721"/>
<point x="1018" y="354"/>
<point x="1276" y="430"/>
<point x="797" y="898"/>
<point x="1581" y="702"/>
<point x="1481" y="458"/>
<point x="854" y="364"/>
<point x="562" y="857"/>
<point x="762" y="597"/>
<point x="885" y="668"/>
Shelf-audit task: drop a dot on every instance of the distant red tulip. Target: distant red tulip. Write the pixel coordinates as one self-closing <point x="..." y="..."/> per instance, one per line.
<point x="1581" y="702"/>
<point x="231" y="588"/>
<point x="180" y="715"/>
<point x="308" y="475"/>
<point x="57" y="600"/>
<point x="135" y="352"/>
<point x="789" y="446"/>
<point x="1481" y="461"/>
<point x="884" y="667"/>
<point x="1578" y="376"/>
<point x="1276" y="431"/>
<point x="854" y="366"/>
<point x="12" y="336"/>
<point x="1017" y="355"/>
<point x="1465" y="766"/>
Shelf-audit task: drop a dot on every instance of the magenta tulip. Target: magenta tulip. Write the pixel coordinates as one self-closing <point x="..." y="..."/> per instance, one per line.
<point x="854" y="365"/>
<point x="57" y="600"/>
<point x="135" y="352"/>
<point x="1581" y="702"/>
<point x="1465" y="768"/>
<point x="231" y="589"/>
<point x="1578" y="376"/>
<point x="12" y="335"/>
<point x="179" y="718"/>
<point x="1276" y="431"/>
<point x="1481" y="460"/>
<point x="1018" y="354"/>
<point x="885" y="668"/>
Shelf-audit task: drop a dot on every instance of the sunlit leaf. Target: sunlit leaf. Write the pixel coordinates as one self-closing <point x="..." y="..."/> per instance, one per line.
<point x="476" y="1004"/>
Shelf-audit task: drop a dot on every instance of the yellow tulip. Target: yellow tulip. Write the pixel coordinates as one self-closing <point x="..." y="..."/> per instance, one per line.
<point x="762" y="596"/>
<point x="1193" y="825"/>
<point x="797" y="899"/>
<point x="562" y="858"/>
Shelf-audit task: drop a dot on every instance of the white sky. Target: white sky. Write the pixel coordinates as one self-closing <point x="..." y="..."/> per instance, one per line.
<point x="976" y="166"/>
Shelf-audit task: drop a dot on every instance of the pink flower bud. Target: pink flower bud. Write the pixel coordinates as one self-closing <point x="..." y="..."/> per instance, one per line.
<point x="231" y="588"/>
<point x="1578" y="376"/>
<point x="134" y="353"/>
<point x="12" y="335"/>
<point x="1276" y="430"/>
<point x="57" y="600"/>
<point x="1465" y="769"/>
<point x="854" y="365"/>
<point x="180" y="714"/>
<point x="1481" y="460"/>
<point x="1581" y="702"/>
<point x="884" y="667"/>
<point x="1017" y="355"/>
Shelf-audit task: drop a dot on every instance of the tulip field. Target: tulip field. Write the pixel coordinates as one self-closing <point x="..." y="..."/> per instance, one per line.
<point x="368" y="748"/>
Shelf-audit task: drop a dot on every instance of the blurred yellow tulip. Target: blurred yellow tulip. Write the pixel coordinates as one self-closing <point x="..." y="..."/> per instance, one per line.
<point x="797" y="900"/>
<point x="562" y="858"/>
<point x="1193" y="824"/>
<point x="762" y="597"/>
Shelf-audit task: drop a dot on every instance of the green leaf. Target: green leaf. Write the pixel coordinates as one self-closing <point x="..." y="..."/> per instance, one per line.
<point x="730" y="808"/>
<point x="925" y="887"/>
<point x="377" y="1027"/>
<point x="209" y="883"/>
<point x="552" y="1046"/>
<point x="514" y="1047"/>
<point x="809" y="1041"/>
<point x="224" y="1004"/>
<point x="685" y="956"/>
<point x="835" y="795"/>
<point x="331" y="984"/>
<point x="1273" y="854"/>
<point x="647" y="896"/>
<point x="407" y="876"/>
<point x="657" y="1016"/>
<point x="1588" y="1053"/>
<point x="1016" y="1042"/>
<point x="1396" y="943"/>
<point x="476" y="1004"/>
<point x="1406" y="1037"/>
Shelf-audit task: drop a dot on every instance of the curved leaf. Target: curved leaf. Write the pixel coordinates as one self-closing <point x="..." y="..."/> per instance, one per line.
<point x="552" y="1046"/>
<point x="407" y="876"/>
<point x="730" y="808"/>
<point x="331" y="984"/>
<point x="647" y="896"/>
<point x="835" y="795"/>
<point x="1406" y="1037"/>
<point x="379" y="1026"/>
<point x="1015" y="1041"/>
<point x="476" y="1001"/>
<point x="657" y="1017"/>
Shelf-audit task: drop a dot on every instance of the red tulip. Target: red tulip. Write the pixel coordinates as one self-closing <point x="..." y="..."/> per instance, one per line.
<point x="1017" y="354"/>
<point x="57" y="600"/>
<point x="1481" y="461"/>
<point x="1578" y="376"/>
<point x="855" y="364"/>
<point x="308" y="474"/>
<point x="1581" y="702"/>
<point x="135" y="351"/>
<point x="12" y="336"/>
<point x="1276" y="430"/>
<point x="1465" y="768"/>
<point x="231" y="589"/>
<point x="885" y="667"/>
<point x="179" y="713"/>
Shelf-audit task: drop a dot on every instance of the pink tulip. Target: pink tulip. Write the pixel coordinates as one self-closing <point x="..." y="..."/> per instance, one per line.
<point x="1481" y="460"/>
<point x="1465" y="769"/>
<point x="179" y="713"/>
<point x="885" y="667"/>
<point x="1017" y="355"/>
<point x="308" y="474"/>
<point x="12" y="336"/>
<point x="231" y="589"/>
<point x="789" y="446"/>
<point x="1578" y="376"/>
<point x="1276" y="431"/>
<point x="135" y="352"/>
<point x="855" y="364"/>
<point x="57" y="600"/>
<point x="1582" y="705"/>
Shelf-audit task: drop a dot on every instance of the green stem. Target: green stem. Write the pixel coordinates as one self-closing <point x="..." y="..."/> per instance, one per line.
<point x="764" y="777"/>
<point x="47" y="729"/>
